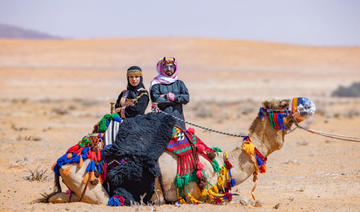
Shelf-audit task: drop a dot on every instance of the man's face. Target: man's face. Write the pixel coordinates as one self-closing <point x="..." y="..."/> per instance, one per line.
<point x="169" y="69"/>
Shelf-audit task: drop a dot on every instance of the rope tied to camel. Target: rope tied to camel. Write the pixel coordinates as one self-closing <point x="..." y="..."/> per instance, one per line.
<point x="334" y="136"/>
<point x="155" y="109"/>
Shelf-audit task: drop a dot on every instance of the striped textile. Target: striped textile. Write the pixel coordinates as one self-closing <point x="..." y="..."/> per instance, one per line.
<point x="111" y="132"/>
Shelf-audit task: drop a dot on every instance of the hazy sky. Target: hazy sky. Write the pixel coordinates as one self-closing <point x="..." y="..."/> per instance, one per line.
<point x="313" y="22"/>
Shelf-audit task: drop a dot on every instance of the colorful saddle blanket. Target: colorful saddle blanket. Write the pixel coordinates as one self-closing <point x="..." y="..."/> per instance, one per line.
<point x="187" y="147"/>
<point x="183" y="144"/>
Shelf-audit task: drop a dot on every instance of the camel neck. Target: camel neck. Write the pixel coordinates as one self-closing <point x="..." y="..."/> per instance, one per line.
<point x="243" y="167"/>
<point x="266" y="139"/>
<point x="259" y="144"/>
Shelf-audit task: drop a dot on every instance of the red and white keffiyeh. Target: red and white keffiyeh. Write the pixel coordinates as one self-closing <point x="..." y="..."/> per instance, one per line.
<point x="162" y="78"/>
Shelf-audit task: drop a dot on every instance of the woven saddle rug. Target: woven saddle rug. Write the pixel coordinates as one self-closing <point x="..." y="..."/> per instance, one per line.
<point x="187" y="147"/>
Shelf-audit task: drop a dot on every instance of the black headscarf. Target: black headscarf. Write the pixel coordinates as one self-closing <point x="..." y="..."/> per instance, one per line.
<point x="133" y="90"/>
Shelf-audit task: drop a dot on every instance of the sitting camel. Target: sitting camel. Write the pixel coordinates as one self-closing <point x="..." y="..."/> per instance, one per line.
<point x="266" y="135"/>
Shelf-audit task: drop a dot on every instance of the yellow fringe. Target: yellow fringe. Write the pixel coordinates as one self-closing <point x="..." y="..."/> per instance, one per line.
<point x="215" y="189"/>
<point x="249" y="148"/>
<point x="177" y="193"/>
<point x="204" y="194"/>
<point x="222" y="178"/>
<point x="182" y="201"/>
<point x="69" y="156"/>
<point x="210" y="194"/>
<point x="67" y="171"/>
<point x="214" y="193"/>
<point x="193" y="199"/>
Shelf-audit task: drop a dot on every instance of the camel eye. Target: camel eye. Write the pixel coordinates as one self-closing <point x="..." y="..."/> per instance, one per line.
<point x="284" y="104"/>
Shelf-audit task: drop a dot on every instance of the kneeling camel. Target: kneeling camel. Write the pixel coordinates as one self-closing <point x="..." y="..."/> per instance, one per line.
<point x="263" y="134"/>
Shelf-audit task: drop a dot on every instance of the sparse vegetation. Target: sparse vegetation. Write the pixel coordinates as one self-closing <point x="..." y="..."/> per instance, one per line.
<point x="203" y="111"/>
<point x="247" y="110"/>
<point x="352" y="113"/>
<point x="38" y="174"/>
<point x="60" y="111"/>
<point x="352" y="91"/>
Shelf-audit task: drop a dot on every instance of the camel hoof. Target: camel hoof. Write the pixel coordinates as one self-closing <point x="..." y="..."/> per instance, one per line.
<point x="63" y="198"/>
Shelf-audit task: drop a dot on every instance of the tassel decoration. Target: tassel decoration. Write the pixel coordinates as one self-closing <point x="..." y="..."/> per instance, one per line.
<point x="98" y="155"/>
<point x="228" y="164"/>
<point x="78" y="152"/>
<point x="53" y="166"/>
<point x="199" y="174"/>
<point x="199" y="165"/>
<point x="92" y="176"/>
<point x="200" y="148"/>
<point x="67" y="171"/>
<point x="73" y="148"/>
<point x="116" y="200"/>
<point x="86" y="178"/>
<point x="81" y="162"/>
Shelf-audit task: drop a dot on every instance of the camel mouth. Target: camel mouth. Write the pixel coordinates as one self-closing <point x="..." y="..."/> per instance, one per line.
<point x="302" y="108"/>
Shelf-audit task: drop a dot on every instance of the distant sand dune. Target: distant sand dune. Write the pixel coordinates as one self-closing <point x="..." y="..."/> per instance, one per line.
<point x="210" y="67"/>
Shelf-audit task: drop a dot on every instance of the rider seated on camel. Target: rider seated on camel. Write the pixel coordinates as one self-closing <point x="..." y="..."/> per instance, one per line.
<point x="167" y="92"/>
<point x="134" y="100"/>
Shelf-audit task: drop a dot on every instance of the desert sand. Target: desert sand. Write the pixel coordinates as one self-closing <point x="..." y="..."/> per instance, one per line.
<point x="52" y="92"/>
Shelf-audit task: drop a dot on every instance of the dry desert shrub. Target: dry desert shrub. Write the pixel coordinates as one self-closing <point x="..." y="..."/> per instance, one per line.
<point x="337" y="115"/>
<point x="352" y="113"/>
<point x="222" y="117"/>
<point x="19" y="100"/>
<point x="352" y="91"/>
<point x="320" y="112"/>
<point x="20" y="163"/>
<point x="60" y="111"/>
<point x="38" y="174"/>
<point x="203" y="111"/>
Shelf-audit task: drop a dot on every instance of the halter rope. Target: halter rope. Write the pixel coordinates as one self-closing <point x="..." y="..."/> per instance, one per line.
<point x="202" y="127"/>
<point x="335" y="136"/>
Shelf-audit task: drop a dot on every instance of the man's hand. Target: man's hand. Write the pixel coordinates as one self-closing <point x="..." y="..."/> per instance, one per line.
<point x="171" y="96"/>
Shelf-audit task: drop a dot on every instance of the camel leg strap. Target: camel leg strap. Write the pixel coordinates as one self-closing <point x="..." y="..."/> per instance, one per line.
<point x="70" y="195"/>
<point x="83" y="193"/>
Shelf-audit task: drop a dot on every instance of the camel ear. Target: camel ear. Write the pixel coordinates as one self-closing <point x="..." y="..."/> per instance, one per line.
<point x="266" y="104"/>
<point x="285" y="103"/>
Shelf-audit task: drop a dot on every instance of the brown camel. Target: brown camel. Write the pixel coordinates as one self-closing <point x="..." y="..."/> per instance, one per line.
<point x="263" y="136"/>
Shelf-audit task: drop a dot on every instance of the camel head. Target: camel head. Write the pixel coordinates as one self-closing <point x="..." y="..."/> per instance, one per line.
<point x="275" y="119"/>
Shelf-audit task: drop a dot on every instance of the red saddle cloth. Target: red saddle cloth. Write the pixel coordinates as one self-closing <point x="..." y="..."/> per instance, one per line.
<point x="182" y="144"/>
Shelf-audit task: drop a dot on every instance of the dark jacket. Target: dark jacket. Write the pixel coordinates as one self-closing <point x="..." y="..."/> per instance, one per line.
<point x="139" y="106"/>
<point x="175" y="108"/>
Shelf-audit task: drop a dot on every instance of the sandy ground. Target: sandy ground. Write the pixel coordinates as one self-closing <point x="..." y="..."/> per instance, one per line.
<point x="52" y="92"/>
